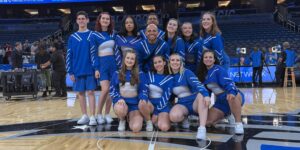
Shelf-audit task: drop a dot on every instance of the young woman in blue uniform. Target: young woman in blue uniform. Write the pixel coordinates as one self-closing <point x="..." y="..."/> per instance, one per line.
<point x="210" y="34"/>
<point x="103" y="44"/>
<point x="193" y="47"/>
<point x="228" y="98"/>
<point x="127" y="38"/>
<point x="172" y="38"/>
<point x="160" y="85"/>
<point x="129" y="92"/>
<point x="192" y="95"/>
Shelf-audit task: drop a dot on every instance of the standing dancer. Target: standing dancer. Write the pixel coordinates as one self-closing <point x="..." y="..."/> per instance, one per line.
<point x="104" y="62"/>
<point x="79" y="67"/>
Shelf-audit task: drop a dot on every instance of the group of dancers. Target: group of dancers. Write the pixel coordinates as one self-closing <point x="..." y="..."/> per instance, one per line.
<point x="151" y="74"/>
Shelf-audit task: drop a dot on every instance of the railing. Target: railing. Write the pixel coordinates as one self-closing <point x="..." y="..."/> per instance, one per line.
<point x="291" y="25"/>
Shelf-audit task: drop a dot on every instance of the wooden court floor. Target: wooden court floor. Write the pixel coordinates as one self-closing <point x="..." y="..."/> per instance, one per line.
<point x="270" y="116"/>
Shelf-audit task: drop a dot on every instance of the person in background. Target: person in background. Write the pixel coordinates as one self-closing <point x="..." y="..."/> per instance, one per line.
<point x="59" y="70"/>
<point x="271" y="57"/>
<point x="289" y="56"/>
<point x="8" y="52"/>
<point x="2" y="54"/>
<point x="257" y="59"/>
<point x="42" y="57"/>
<point x="17" y="62"/>
<point x="17" y="56"/>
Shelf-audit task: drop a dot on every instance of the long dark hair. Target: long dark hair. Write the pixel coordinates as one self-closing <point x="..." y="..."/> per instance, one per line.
<point x="134" y="72"/>
<point x="123" y="30"/>
<point x="98" y="26"/>
<point x="175" y="36"/>
<point x="166" y="70"/>
<point x="202" y="69"/>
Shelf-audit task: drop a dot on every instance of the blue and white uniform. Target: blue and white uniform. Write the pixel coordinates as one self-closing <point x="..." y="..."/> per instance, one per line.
<point x="177" y="46"/>
<point x="215" y="43"/>
<point x="160" y="35"/>
<point x="256" y="58"/>
<point x="124" y="43"/>
<point x="160" y="87"/>
<point x="79" y="61"/>
<point x="147" y="51"/>
<point x="131" y="94"/>
<point x="219" y="83"/>
<point x="193" y="53"/>
<point x="290" y="58"/>
<point x="186" y="87"/>
<point x="103" y="44"/>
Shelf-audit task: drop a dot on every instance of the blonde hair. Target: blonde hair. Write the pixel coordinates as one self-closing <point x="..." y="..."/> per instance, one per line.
<point x="181" y="69"/>
<point x="215" y="29"/>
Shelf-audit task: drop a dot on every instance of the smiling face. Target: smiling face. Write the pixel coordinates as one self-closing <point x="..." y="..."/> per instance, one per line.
<point x="159" y="64"/>
<point x="187" y="29"/>
<point x="129" y="25"/>
<point x="209" y="59"/>
<point x="129" y="60"/>
<point x="104" y="21"/>
<point x="82" y="21"/>
<point x="151" y="32"/>
<point x="207" y="22"/>
<point x="175" y="63"/>
<point x="152" y="19"/>
<point x="172" y="26"/>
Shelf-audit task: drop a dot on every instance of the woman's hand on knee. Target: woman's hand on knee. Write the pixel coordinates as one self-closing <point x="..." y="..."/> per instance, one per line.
<point x="121" y="102"/>
<point x="230" y="97"/>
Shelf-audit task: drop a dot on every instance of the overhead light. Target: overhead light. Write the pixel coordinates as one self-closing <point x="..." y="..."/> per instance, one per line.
<point x="65" y="11"/>
<point x="98" y="10"/>
<point x="280" y="1"/>
<point x="192" y="5"/>
<point x="118" y="8"/>
<point x="32" y="11"/>
<point x="223" y="3"/>
<point x="148" y="7"/>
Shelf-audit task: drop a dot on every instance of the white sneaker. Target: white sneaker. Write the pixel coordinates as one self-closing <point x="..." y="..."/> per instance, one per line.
<point x="83" y="120"/>
<point x="121" y="126"/>
<point x="201" y="133"/>
<point x="108" y="118"/>
<point x="100" y="119"/>
<point x="231" y="120"/>
<point x="239" y="128"/>
<point x="186" y="123"/>
<point x="149" y="126"/>
<point x="93" y="121"/>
